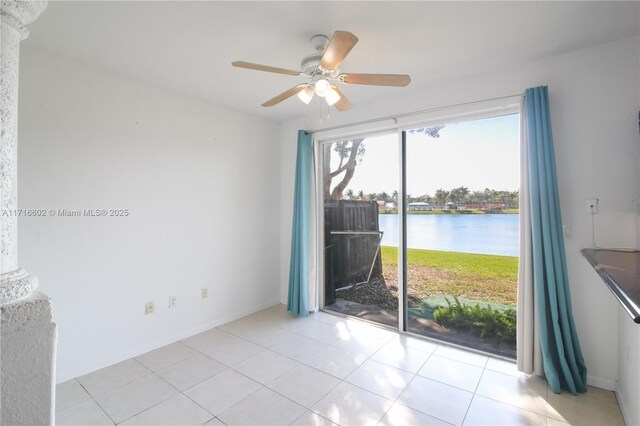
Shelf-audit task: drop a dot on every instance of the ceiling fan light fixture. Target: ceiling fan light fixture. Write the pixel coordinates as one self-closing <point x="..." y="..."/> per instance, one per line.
<point x="332" y="96"/>
<point x="306" y="94"/>
<point x="322" y="87"/>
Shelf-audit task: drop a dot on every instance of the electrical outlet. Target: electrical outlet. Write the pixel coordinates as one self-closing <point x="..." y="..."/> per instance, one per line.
<point x="592" y="206"/>
<point x="205" y="293"/>
<point x="172" y="302"/>
<point x="149" y="308"/>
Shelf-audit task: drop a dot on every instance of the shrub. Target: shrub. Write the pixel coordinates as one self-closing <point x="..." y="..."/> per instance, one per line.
<point x="485" y="322"/>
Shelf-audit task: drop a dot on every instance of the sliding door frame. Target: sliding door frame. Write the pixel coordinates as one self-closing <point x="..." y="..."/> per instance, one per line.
<point x="403" y="308"/>
<point x="318" y="145"/>
<point x="492" y="108"/>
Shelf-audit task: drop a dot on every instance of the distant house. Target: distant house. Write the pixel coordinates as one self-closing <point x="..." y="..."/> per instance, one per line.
<point x="419" y="206"/>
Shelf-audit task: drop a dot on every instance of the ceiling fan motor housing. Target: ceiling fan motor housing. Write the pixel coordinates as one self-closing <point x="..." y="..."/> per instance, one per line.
<point x="310" y="64"/>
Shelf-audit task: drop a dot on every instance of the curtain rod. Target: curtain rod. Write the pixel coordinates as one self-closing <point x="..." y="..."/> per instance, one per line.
<point x="406" y="114"/>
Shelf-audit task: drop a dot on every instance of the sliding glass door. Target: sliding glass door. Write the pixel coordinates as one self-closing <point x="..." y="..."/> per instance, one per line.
<point x="444" y="199"/>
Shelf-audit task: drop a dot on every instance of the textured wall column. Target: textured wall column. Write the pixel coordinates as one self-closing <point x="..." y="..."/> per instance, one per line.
<point x="27" y="333"/>
<point x="15" y="283"/>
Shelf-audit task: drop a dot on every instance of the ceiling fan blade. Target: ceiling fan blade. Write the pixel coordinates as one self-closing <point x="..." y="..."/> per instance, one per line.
<point x="285" y="95"/>
<point x="258" y="67"/>
<point x="339" y="47"/>
<point x="396" y="80"/>
<point x="343" y="104"/>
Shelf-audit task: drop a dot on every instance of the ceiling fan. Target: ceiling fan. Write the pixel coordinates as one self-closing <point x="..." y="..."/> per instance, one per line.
<point x="323" y="71"/>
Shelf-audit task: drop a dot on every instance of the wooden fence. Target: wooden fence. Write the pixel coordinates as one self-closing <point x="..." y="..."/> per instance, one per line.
<point x="348" y="257"/>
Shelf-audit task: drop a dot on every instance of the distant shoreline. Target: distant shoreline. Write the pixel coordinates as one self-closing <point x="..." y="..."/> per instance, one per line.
<point x="453" y="212"/>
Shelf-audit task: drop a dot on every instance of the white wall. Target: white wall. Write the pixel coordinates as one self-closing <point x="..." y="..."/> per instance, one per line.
<point x="594" y="107"/>
<point x="201" y="183"/>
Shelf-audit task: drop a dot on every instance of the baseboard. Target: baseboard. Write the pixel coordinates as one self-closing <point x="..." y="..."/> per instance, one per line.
<point x="623" y="406"/>
<point x="63" y="376"/>
<point x="601" y="383"/>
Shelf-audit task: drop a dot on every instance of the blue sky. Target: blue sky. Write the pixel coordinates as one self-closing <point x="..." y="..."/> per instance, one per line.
<point x="477" y="154"/>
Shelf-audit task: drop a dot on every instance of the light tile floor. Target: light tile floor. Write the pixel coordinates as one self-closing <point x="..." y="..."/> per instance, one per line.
<point x="270" y="368"/>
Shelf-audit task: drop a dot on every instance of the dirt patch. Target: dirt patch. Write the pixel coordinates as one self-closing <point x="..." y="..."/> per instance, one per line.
<point x="418" y="273"/>
<point x="425" y="282"/>
<point x="438" y="282"/>
<point x="375" y="293"/>
<point x="382" y="292"/>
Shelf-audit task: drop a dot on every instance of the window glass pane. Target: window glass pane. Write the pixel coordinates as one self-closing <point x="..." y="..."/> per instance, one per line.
<point x="360" y="192"/>
<point x="462" y="232"/>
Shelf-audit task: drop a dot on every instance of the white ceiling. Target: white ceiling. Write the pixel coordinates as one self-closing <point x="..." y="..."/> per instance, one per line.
<point x="189" y="46"/>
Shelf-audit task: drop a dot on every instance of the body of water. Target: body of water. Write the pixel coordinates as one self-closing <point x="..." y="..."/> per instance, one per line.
<point x="467" y="233"/>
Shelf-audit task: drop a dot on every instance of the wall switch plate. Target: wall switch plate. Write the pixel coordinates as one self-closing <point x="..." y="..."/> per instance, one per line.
<point x="149" y="308"/>
<point x="592" y="205"/>
<point x="172" y="302"/>
<point x="205" y="293"/>
<point x="566" y="231"/>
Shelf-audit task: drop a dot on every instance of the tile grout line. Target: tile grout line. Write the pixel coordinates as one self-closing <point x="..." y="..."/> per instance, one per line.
<point x="473" y="397"/>
<point x="162" y="347"/>
<point x="301" y="364"/>
<point x="229" y="408"/>
<point x="178" y="390"/>
<point x="94" y="400"/>
<point x="156" y="404"/>
<point x="123" y="384"/>
<point x="511" y="405"/>
<point x="149" y="372"/>
<point x="411" y="408"/>
<point x="104" y="411"/>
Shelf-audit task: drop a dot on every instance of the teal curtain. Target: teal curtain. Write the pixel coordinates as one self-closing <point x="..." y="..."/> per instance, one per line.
<point x="562" y="358"/>
<point x="298" y="301"/>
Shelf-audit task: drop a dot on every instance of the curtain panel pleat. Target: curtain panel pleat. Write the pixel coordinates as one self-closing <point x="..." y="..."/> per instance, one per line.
<point x="529" y="355"/>
<point x="301" y="232"/>
<point x="562" y="359"/>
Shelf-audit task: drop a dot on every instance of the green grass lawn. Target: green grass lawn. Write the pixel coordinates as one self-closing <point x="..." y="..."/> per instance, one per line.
<point x="481" y="277"/>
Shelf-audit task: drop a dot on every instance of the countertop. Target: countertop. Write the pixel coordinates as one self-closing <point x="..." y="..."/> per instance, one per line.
<point x="620" y="270"/>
